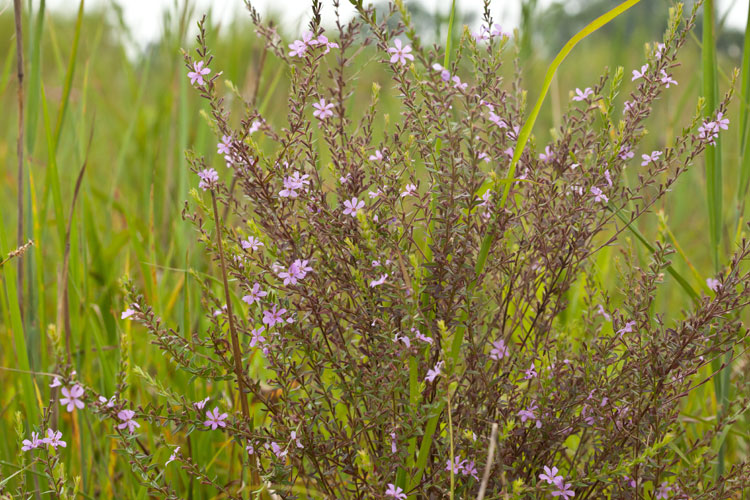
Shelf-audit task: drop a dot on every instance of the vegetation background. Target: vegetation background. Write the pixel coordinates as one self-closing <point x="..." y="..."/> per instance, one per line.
<point x="83" y="81"/>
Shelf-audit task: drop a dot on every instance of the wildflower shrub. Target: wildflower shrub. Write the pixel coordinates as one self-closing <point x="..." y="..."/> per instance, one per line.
<point x="387" y="317"/>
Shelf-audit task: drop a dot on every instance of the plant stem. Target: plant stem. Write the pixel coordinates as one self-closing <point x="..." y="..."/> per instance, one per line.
<point x="19" y="149"/>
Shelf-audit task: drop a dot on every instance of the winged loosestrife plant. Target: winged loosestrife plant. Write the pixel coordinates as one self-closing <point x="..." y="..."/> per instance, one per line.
<point x="350" y="308"/>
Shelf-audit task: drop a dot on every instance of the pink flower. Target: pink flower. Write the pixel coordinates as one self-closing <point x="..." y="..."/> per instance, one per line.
<point x="599" y="195"/>
<point x="224" y="147"/>
<point x="35" y="442"/>
<point x="456" y="465"/>
<point x="547" y="156"/>
<point x="660" y="50"/>
<point x="127" y="313"/>
<point x="197" y="74"/>
<point x="434" y="372"/>
<point x="625" y="152"/>
<point x="298" y="48"/>
<point x="351" y="206"/>
<point x="378" y="281"/>
<point x="497" y="30"/>
<point x="109" y="403"/>
<point x="251" y="243"/>
<point x="639" y="74"/>
<point x="215" y="420"/>
<point x="495" y="118"/>
<point x="583" y="95"/>
<point x="653" y="157"/>
<point x="277" y="450"/>
<point x="72" y="398"/>
<point x="56" y="382"/>
<point x="273" y="316"/>
<point x="54" y="439"/>
<point x="400" y="53"/>
<point x="250" y="449"/>
<point x="395" y="492"/>
<point x="409" y="190"/>
<point x="445" y="75"/>
<point x="209" y="177"/>
<point x="628" y="328"/>
<point x="499" y="350"/>
<point x="604" y="313"/>
<point x="127" y="420"/>
<point x="663" y="491"/>
<point x="563" y="490"/>
<point x="255" y="295"/>
<point x="293" y="437"/>
<point x="420" y="336"/>
<point x="257" y="336"/>
<point x="530" y="372"/>
<point x="550" y="475"/>
<point x="296" y="272"/>
<point x="470" y="470"/>
<point x="457" y="84"/>
<point x="293" y="183"/>
<point x="608" y="178"/>
<point x="713" y="284"/>
<point x="322" y="109"/>
<point x="529" y="414"/>
<point x="667" y="80"/>
<point x="394" y="447"/>
<point x="377" y="156"/>
<point x="173" y="456"/>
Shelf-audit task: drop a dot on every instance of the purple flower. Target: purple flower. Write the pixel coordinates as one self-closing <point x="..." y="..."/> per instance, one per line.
<point x="109" y="403"/>
<point x="126" y="416"/>
<point x="322" y="109"/>
<point x="639" y="74"/>
<point x="625" y="152"/>
<point x="173" y="456"/>
<point x="298" y="48"/>
<point x="550" y="475"/>
<point x="35" y="442"/>
<point x="251" y="243"/>
<point x="255" y="295"/>
<point x="215" y="420"/>
<point x="563" y="490"/>
<point x="250" y="449"/>
<point x="628" y="328"/>
<point x="273" y="316"/>
<point x="224" y="147"/>
<point x="608" y="178"/>
<point x="713" y="284"/>
<point x="420" y="336"/>
<point x="402" y="338"/>
<point x="667" y="80"/>
<point x="293" y="183"/>
<point x="495" y="118"/>
<point x="127" y="313"/>
<point x="351" y="206"/>
<point x="529" y="414"/>
<point x="599" y="195"/>
<point x="457" y="84"/>
<point x="604" y="313"/>
<point x="400" y="53"/>
<point x="54" y="439"/>
<point x="200" y="404"/>
<point x="257" y="336"/>
<point x="297" y="271"/>
<point x="378" y="156"/>
<point x="470" y="470"/>
<point x="456" y="465"/>
<point x="409" y="190"/>
<point x="434" y="372"/>
<point x="72" y="398"/>
<point x="499" y="350"/>
<point x="530" y="372"/>
<point x="209" y="177"/>
<point x="547" y="156"/>
<point x="583" y="95"/>
<point x="198" y="72"/>
<point x="293" y="437"/>
<point x="663" y="491"/>
<point x="395" y="492"/>
<point x="56" y="382"/>
<point x="378" y="281"/>
<point x="660" y="50"/>
<point x="653" y="157"/>
<point x="277" y="450"/>
<point x="445" y="75"/>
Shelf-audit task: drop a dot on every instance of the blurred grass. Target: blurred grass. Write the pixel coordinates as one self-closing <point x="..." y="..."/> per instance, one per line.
<point x="128" y="222"/>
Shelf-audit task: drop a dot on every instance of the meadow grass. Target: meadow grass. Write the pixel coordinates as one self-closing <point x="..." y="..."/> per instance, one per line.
<point x="130" y="121"/>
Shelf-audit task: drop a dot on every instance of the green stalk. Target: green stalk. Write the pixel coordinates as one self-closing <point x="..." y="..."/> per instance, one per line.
<point x="713" y="158"/>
